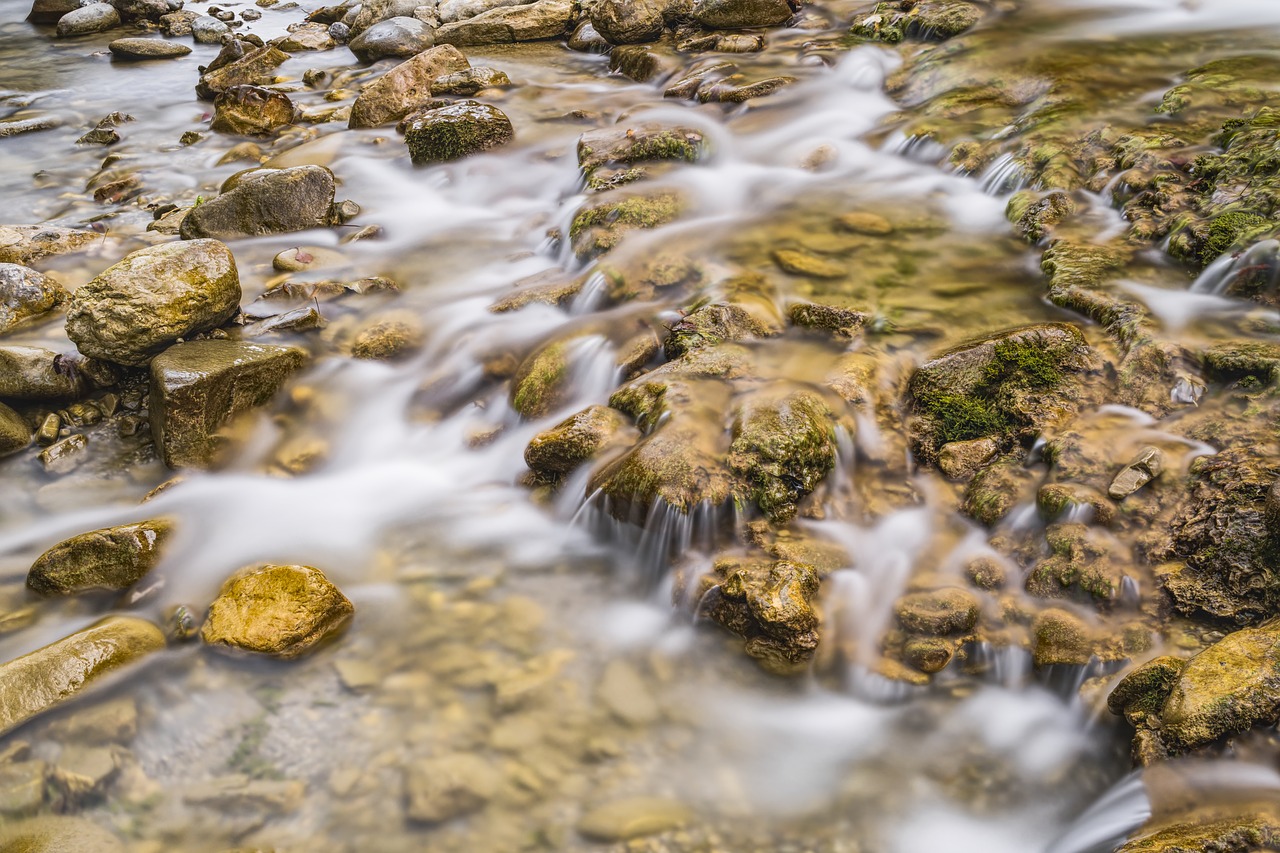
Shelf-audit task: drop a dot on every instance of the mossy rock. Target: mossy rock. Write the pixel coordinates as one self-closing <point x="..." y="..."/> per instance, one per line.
<point x="1241" y="834"/>
<point x="626" y="146"/>
<point x="996" y="489"/>
<point x="1143" y="691"/>
<point x="1059" y="637"/>
<point x="782" y="450"/>
<point x="599" y="227"/>
<point x="453" y="132"/>
<point x="1079" y="566"/>
<point x="711" y="325"/>
<point x="541" y="383"/>
<point x="114" y="558"/>
<point x="945" y="611"/>
<point x="578" y="438"/>
<point x="770" y="605"/>
<point x="281" y="611"/>
<point x="892" y="22"/>
<point x="678" y="466"/>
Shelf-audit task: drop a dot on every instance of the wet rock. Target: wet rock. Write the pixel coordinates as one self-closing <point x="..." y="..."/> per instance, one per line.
<point x="1243" y="833"/>
<point x="459" y="10"/>
<point x="626" y="146"/>
<point x="842" y="323"/>
<point x="208" y="30"/>
<point x="585" y="39"/>
<point x="394" y="37"/>
<point x="198" y="387"/>
<point x="732" y="14"/>
<point x="49" y="676"/>
<point x="449" y="786"/>
<point x="862" y="222"/>
<point x="578" y="438"/>
<point x="470" y="81"/>
<point x="997" y="489"/>
<point x="23" y="244"/>
<point x="64" y="456"/>
<point x="624" y="692"/>
<point x="114" y="558"/>
<point x="298" y="320"/>
<point x="301" y="258"/>
<point x="83" y="773"/>
<point x="57" y="834"/>
<point x="1226" y="689"/>
<point x="266" y="201"/>
<point x="770" y="605"/>
<point x="735" y="90"/>
<point x="544" y="19"/>
<point x="389" y="339"/>
<point x="539" y="384"/>
<point x="673" y="465"/>
<point x="891" y="22"/>
<point x="405" y="87"/>
<point x="47" y="432"/>
<point x="639" y="63"/>
<point x="154" y="296"/>
<point x="238" y="793"/>
<point x="628" y="21"/>
<point x="15" y="434"/>
<point x="22" y="788"/>
<point x="960" y="460"/>
<point x="782" y="450"/>
<point x="1036" y="218"/>
<point x="112" y="721"/>
<point x="371" y="12"/>
<point x="177" y="24"/>
<point x="141" y="10"/>
<point x="1142" y="470"/>
<point x="945" y="611"/>
<point x="252" y="69"/>
<point x="17" y="127"/>
<point x="282" y="611"/>
<point x="457" y="131"/>
<point x="1060" y="637"/>
<point x="712" y="325"/>
<point x="303" y="37"/>
<point x="633" y="817"/>
<point x="807" y="264"/>
<point x="33" y="373"/>
<point x="25" y="295"/>
<point x="145" y="48"/>
<point x="928" y="654"/>
<point x="1142" y="693"/>
<point x="94" y="18"/>
<point x="251" y="111"/>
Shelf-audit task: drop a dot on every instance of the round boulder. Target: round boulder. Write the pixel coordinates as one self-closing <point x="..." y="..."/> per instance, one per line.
<point x="94" y="18"/>
<point x="281" y="611"/>
<point x="394" y="37"/>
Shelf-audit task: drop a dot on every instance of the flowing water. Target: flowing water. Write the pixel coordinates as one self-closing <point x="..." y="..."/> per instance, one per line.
<point x="535" y="631"/>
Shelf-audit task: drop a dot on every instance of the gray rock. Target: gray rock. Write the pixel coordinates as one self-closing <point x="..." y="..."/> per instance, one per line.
<point x="340" y="32"/>
<point x="24" y="295"/>
<point x="34" y="373"/>
<point x="545" y="19"/>
<point x="731" y="14"/>
<point x="266" y="201"/>
<point x="307" y="37"/>
<point x="15" y="434"/>
<point x="144" y="48"/>
<point x="395" y="37"/>
<point x="94" y="18"/>
<point x="208" y="30"/>
<point x="395" y="94"/>
<point x="153" y="297"/>
<point x="141" y="10"/>
<point x="454" y="132"/>
<point x="586" y="39"/>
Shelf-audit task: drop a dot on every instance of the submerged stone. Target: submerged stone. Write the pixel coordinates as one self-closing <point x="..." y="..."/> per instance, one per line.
<point x="25" y="295"/>
<point x="599" y="227"/>
<point x="266" y="201"/>
<point x="114" y="558"/>
<point x="450" y="786"/>
<point x="633" y="817"/>
<point x="673" y="466"/>
<point x="282" y="611"/>
<point x="712" y="325"/>
<point x="457" y="131"/>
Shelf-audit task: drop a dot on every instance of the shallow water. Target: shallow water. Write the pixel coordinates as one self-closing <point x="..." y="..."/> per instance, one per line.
<point x="535" y="632"/>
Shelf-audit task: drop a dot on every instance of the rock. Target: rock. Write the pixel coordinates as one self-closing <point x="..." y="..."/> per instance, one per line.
<point x="624" y="692"/>
<point x="470" y="81"/>
<point x="389" y="339"/>
<point x="282" y="611"/>
<point x="458" y="10"/>
<point x="83" y="773"/>
<point x="585" y="39"/>
<point x="25" y="295"/>
<point x="996" y="489"/>
<point x="782" y="449"/>
<point x="801" y="263"/>
<point x="251" y="69"/>
<point x="673" y="465"/>
<point x="544" y="19"/>
<point x="770" y="605"/>
<point x="33" y="373"/>
<point x="114" y="558"/>
<point x="208" y="30"/>
<point x="57" y="834"/>
<point x="539" y="384"/>
<point x="50" y="676"/>
<point x="112" y="721"/>
<point x="1142" y="470"/>
<point x="340" y="32"/>
<point x="844" y="323"/>
<point x="712" y="325"/>
<point x="960" y="460"/>
<point x="267" y="201"/>
<point x="17" y="127"/>
<point x="177" y="24"/>
<point x="141" y="10"/>
<point x="870" y="224"/>
<point x="1226" y="689"/>
<point x="1142" y="692"/>
<point x="639" y="62"/>
<point x="302" y="319"/>
<point x="732" y="14"/>
<point x="450" y="786"/>
<point x="894" y="21"/>
<point x="928" y="654"/>
<point x="945" y="611"/>
<point x="145" y="48"/>
<point x="1060" y="637"/>
<point x="49" y="11"/>
<point x="1037" y="217"/>
<point x="94" y="18"/>
<point x="394" y="37"/>
<point x="64" y="456"/>
<point x="238" y="793"/>
<point x="633" y="817"/>
<point x="22" y="788"/>
<point x="451" y="133"/>
<point x="306" y="37"/>
<point x="251" y="111"/>
<point x="405" y="87"/>
<point x="198" y="387"/>
<point x="23" y="244"/>
<point x="628" y="21"/>
<point x="301" y="258"/>
<point x="371" y="12"/>
<point x="599" y="227"/>
<point x="1242" y="833"/>
<point x="153" y="297"/>
<point x="621" y="146"/>
<point x="15" y="434"/>
<point x="577" y="439"/>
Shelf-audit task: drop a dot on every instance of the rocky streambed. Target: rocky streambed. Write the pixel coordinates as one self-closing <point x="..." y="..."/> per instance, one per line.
<point x="678" y="425"/>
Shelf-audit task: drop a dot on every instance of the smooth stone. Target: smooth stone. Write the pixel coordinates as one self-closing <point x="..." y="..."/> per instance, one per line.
<point x="266" y="201"/>
<point x="94" y="18"/>
<point x="252" y="69"/>
<point x="1226" y="689"/>
<point x="25" y="295"/>
<point x="22" y="787"/>
<point x="113" y="558"/>
<point x="628" y="21"/>
<point x="49" y="11"/>
<point x="34" y="373"/>
<point x="545" y="19"/>
<point x="470" y="81"/>
<point x="960" y="460"/>
<point x="454" y="132"/>
<point x="395" y="94"/>
<point x="626" y="695"/>
<point x="732" y="14"/>
<point x="251" y="111"/>
<point x="459" y="10"/>
<point x="208" y="30"/>
<point x="282" y="611"/>
<point x="15" y="434"/>
<point x="143" y="48"/>
<point x="371" y="12"/>
<point x="307" y="37"/>
<point x="633" y="817"/>
<point x="1142" y="470"/>
<point x="303" y="258"/>
<point x="394" y="37"/>
<point x="198" y="387"/>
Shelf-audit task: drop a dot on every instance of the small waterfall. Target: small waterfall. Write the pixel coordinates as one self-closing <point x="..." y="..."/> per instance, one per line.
<point x="1255" y="269"/>
<point x="1002" y="176"/>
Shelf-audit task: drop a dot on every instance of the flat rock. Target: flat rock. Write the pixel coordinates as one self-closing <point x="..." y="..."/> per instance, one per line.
<point x="94" y="18"/>
<point x="49" y="11"/>
<point x="25" y="295"/>
<point x="17" y="127"/>
<point x="144" y="48"/>
<point x="251" y="111"/>
<point x="282" y="611"/>
<point x="22" y="244"/>
<point x="545" y="19"/>
<point x="459" y="10"/>
<point x="395" y="94"/>
<point x="35" y="373"/>
<point x="266" y="201"/>
<point x="114" y="558"/>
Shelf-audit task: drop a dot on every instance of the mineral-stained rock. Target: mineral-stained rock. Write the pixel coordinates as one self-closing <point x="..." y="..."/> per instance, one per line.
<point x="454" y="132"/>
<point x="251" y="111"/>
<point x="1144" y="690"/>
<point x="51" y="675"/>
<point x="1060" y="637"/>
<point x="25" y="295"/>
<point x="677" y="465"/>
<point x="114" y="558"/>
<point x="199" y="386"/>
<point x="578" y="438"/>
<point x="153" y="297"/>
<point x="770" y="605"/>
<point x="396" y="93"/>
<point x="266" y="201"/>
<point x="1239" y="834"/>
<point x="283" y="611"/>
<point x="545" y="19"/>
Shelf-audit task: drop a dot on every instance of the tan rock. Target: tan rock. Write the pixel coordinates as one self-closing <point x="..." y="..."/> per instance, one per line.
<point x="282" y="611"/>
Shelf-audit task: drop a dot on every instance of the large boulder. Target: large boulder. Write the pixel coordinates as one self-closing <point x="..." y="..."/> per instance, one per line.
<point x="35" y="373"/>
<point x="545" y="19"/>
<point x="251" y="111"/>
<point x="282" y="611"/>
<point x="395" y="94"/>
<point x="15" y="432"/>
<point x="23" y="244"/>
<point x="24" y="295"/>
<point x="456" y="131"/>
<point x="47" y="677"/>
<point x="197" y="387"/>
<point x="114" y="558"/>
<point x="732" y="14"/>
<point x="395" y="37"/>
<point x="266" y="201"/>
<point x="94" y="18"/>
<point x="152" y="298"/>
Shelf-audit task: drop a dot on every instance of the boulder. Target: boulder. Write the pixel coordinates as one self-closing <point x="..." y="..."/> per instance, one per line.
<point x="252" y="69"/>
<point x="600" y="226"/>
<point x="282" y="611"/>
<point x="114" y="558"/>
<point x="145" y="48"/>
<point x="251" y="111"/>
<point x="208" y="30"/>
<point x="15" y="432"/>
<point x="396" y="93"/>
<point x="266" y="201"/>
<point x="457" y="131"/>
<point x="937" y="613"/>
<point x="577" y="439"/>
<point x="372" y="12"/>
<point x="50" y="676"/>
<point x="545" y="19"/>
<point x="633" y="817"/>
<point x="679" y="465"/>
<point x="49" y="11"/>
<point x="34" y="373"/>
<point x="394" y="37"/>
<point x="152" y="298"/>
<point x="770" y="605"/>
<point x="628" y="21"/>
<point x="141" y="10"/>
<point x="177" y="24"/>
<point x="733" y="14"/>
<point x="459" y="10"/>
<point x="94" y="18"/>
<point x="782" y="449"/>
<point x="198" y="387"/>
<point x="23" y="244"/>
<point x="470" y="81"/>
<point x="25" y="295"/>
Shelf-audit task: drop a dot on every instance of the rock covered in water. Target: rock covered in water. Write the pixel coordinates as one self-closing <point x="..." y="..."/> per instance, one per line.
<point x="615" y="147"/>
<point x="633" y="817"/>
<point x="470" y="81"/>
<point x="399" y="91"/>
<point x="35" y="373"/>
<point x="25" y="295"/>
<point x="15" y="433"/>
<point x="544" y="19"/>
<point x="282" y="611"/>
<point x="732" y="14"/>
<point x="782" y="450"/>
<point x="23" y="244"/>
<point x="197" y="387"/>
<point x="49" y="676"/>
<point x="57" y="834"/>
<point x="94" y="18"/>
<point x="394" y="37"/>
<point x="456" y="131"/>
<point x="266" y="201"/>
<point x="146" y="48"/>
<point x="577" y="439"/>
<point x="449" y="786"/>
<point x="153" y="297"/>
<point x="251" y="111"/>
<point x="389" y="339"/>
<point x="114" y="558"/>
<point x="678" y="466"/>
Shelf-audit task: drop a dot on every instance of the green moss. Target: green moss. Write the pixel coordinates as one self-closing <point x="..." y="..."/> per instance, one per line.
<point x="782" y="451"/>
<point x="537" y="387"/>
<point x="597" y="229"/>
<point x="1030" y="365"/>
<point x="1229" y="229"/>
<point x="961" y="418"/>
